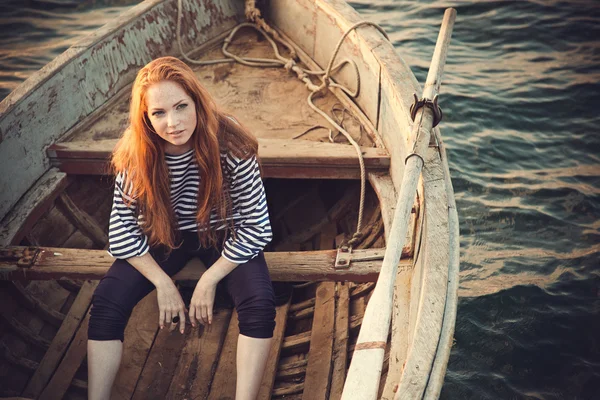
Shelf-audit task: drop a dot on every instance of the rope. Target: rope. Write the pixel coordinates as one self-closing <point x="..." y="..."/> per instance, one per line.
<point x="256" y="22"/>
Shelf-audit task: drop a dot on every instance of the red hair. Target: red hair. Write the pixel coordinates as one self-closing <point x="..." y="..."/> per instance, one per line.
<point x="139" y="154"/>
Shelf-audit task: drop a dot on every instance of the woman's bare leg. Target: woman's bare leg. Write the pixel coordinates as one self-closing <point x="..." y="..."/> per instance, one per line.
<point x="252" y="354"/>
<point x="104" y="359"/>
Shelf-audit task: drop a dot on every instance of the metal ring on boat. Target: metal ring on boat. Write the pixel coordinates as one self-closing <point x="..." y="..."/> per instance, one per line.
<point x="414" y="154"/>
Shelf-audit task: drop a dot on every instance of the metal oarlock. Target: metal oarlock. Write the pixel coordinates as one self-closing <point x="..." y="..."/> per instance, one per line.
<point x="424" y="102"/>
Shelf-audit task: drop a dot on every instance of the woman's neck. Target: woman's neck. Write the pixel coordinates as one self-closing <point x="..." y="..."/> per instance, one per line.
<point x="177" y="150"/>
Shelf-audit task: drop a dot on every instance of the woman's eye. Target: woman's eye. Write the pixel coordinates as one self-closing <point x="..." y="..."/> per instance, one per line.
<point x="181" y="106"/>
<point x="157" y="113"/>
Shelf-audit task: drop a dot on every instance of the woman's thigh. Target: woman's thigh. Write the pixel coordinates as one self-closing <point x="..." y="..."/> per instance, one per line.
<point x="250" y="281"/>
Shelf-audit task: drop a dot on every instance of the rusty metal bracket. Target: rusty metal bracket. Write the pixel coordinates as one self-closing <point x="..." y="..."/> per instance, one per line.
<point x="343" y="257"/>
<point x="23" y="257"/>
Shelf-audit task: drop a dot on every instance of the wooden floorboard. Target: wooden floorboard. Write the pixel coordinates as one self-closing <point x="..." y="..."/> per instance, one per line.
<point x="224" y="381"/>
<point x="199" y="358"/>
<point x="318" y="370"/>
<point x="61" y="342"/>
<point x="139" y="337"/>
<point x="340" y="341"/>
<point x="280" y="158"/>
<point x="266" y="386"/>
<point x="159" y="369"/>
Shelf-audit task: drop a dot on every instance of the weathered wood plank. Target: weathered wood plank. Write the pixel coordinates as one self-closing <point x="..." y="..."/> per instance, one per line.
<point x="139" y="337"/>
<point x="36" y="201"/>
<point x="24" y="332"/>
<point x="266" y="386"/>
<point x="300" y="341"/>
<point x="400" y="331"/>
<point x="59" y="263"/>
<point x="289" y="389"/>
<point x="224" y="381"/>
<point x="83" y="221"/>
<point x="293" y="369"/>
<point x="340" y="343"/>
<point x="318" y="370"/>
<point x="32" y="303"/>
<point x="280" y="158"/>
<point x="62" y="340"/>
<point x="199" y="359"/>
<point x="52" y="229"/>
<point x="61" y="380"/>
<point x="384" y="188"/>
<point x="22" y="362"/>
<point x="160" y="367"/>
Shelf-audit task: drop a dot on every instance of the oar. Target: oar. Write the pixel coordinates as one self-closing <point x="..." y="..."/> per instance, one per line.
<point x="362" y="382"/>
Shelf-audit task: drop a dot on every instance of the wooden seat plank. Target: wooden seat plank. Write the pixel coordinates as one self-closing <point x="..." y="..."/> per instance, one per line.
<point x="280" y="158"/>
<point x="61" y="263"/>
<point x="318" y="370"/>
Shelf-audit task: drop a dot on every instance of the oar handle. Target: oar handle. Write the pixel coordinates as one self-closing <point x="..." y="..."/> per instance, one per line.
<point x="438" y="60"/>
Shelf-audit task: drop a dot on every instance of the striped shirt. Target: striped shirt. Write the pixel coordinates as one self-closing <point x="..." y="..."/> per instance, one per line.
<point x="249" y="211"/>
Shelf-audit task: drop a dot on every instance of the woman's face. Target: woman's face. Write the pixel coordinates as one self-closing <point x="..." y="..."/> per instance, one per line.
<point x="172" y="114"/>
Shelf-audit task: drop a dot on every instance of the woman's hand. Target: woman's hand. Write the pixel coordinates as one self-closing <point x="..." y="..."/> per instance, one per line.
<point x="203" y="299"/>
<point x="170" y="305"/>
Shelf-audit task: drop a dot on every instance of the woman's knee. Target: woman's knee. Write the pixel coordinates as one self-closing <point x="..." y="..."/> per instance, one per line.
<point x="107" y="319"/>
<point x="112" y="303"/>
<point x="256" y="315"/>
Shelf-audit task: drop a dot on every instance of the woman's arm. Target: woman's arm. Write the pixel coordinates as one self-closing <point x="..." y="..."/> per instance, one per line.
<point x="125" y="237"/>
<point x="253" y="232"/>
<point x="201" y="305"/>
<point x="127" y="241"/>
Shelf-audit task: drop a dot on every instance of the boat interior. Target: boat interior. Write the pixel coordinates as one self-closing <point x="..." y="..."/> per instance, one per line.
<point x="313" y="191"/>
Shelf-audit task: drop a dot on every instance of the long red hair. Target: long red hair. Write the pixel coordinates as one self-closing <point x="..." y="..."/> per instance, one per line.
<point x="139" y="155"/>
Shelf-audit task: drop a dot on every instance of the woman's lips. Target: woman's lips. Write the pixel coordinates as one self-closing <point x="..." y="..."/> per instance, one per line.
<point x="176" y="133"/>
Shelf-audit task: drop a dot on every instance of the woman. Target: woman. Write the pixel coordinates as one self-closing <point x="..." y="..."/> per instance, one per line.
<point x="188" y="184"/>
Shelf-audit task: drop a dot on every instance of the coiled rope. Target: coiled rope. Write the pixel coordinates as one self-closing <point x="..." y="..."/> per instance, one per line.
<point x="290" y="64"/>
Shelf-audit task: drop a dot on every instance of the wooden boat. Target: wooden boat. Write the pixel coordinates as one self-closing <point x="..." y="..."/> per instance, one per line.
<point x="58" y="129"/>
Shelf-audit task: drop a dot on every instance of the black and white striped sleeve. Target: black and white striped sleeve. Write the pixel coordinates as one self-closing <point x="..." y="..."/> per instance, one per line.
<point x="125" y="237"/>
<point x="253" y="232"/>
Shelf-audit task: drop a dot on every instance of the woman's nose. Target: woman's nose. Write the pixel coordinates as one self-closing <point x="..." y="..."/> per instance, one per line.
<point x="172" y="120"/>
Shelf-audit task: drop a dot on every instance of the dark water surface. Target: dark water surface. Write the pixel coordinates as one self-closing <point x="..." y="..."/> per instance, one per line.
<point x="520" y="96"/>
